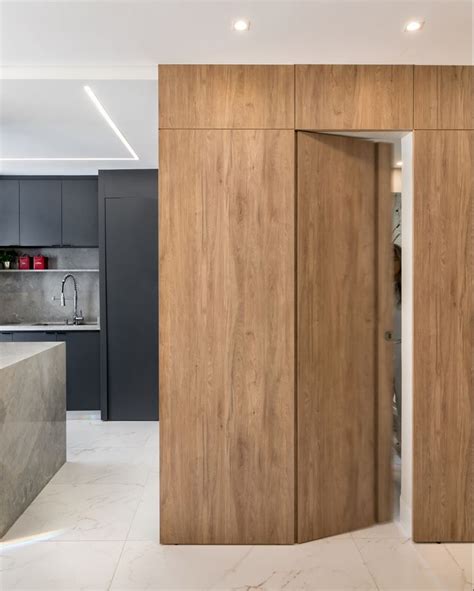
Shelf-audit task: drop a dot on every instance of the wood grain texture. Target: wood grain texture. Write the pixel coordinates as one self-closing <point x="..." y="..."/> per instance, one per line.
<point x="444" y="97"/>
<point x="384" y="389"/>
<point x="335" y="334"/>
<point x="227" y="337"/>
<point x="227" y="97"/>
<point x="443" y="336"/>
<point x="354" y="97"/>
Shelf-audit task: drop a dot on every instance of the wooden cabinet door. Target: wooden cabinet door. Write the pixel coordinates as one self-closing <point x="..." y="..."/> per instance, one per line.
<point x="344" y="416"/>
<point x="443" y="392"/>
<point x="227" y="337"/>
<point x="226" y="97"/>
<point x="354" y="97"/>
<point x="444" y="97"/>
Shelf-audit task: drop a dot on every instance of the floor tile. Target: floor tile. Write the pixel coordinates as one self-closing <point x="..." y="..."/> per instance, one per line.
<point x="109" y="465"/>
<point x="401" y="565"/>
<point x="146" y="523"/>
<point x="61" y="566"/>
<point x="328" y="564"/>
<point x="463" y="554"/>
<point x="80" y="512"/>
<point x="381" y="530"/>
<point x="147" y="565"/>
<point x="92" y="434"/>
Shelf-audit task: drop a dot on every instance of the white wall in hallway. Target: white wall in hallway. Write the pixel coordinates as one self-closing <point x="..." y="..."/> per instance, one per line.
<point x="406" y="497"/>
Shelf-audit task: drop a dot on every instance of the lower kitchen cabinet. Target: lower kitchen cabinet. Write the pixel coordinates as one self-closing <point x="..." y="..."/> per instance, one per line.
<point x="33" y="337"/>
<point x="6" y="337"/>
<point x="83" y="369"/>
<point x="82" y="364"/>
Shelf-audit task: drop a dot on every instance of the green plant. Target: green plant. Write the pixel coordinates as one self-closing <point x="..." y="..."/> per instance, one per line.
<point x="7" y="256"/>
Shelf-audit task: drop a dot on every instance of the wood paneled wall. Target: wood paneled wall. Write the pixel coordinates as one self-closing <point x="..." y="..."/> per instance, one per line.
<point x="443" y="337"/>
<point x="354" y="97"/>
<point x="227" y="258"/>
<point x="227" y="280"/>
<point x="444" y="97"/>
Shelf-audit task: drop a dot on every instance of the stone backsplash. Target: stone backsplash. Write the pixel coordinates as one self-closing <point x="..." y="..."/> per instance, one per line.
<point x="26" y="297"/>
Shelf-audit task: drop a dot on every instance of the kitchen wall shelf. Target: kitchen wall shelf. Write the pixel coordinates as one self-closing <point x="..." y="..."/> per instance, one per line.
<point x="49" y="271"/>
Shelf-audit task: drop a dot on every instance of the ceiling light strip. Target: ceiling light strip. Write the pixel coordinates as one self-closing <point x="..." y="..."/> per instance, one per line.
<point x="107" y="117"/>
<point x="114" y="128"/>
<point x="61" y="159"/>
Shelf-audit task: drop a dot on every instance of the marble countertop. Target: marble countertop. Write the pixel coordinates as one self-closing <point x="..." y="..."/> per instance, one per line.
<point x="11" y="353"/>
<point x="48" y="327"/>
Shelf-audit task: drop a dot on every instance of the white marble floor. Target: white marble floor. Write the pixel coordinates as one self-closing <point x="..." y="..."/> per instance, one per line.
<point x="95" y="527"/>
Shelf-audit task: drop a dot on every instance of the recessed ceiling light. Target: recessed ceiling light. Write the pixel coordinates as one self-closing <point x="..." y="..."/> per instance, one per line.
<point x="413" y="26"/>
<point x="399" y="164"/>
<point x="241" y="24"/>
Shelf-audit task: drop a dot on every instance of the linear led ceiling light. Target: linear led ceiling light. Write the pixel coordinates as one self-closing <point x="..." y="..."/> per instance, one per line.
<point x="106" y="116"/>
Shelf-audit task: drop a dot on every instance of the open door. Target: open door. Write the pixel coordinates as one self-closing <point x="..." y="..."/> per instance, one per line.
<point x="344" y="307"/>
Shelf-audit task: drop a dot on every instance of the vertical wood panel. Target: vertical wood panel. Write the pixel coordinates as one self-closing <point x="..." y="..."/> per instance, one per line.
<point x="443" y="334"/>
<point x="384" y="418"/>
<point x="336" y="334"/>
<point x="228" y="97"/>
<point x="444" y="97"/>
<point x="354" y="97"/>
<point x="227" y="337"/>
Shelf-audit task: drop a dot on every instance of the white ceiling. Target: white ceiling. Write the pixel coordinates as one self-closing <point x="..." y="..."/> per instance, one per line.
<point x="56" y="119"/>
<point x="172" y="31"/>
<point x="49" y="50"/>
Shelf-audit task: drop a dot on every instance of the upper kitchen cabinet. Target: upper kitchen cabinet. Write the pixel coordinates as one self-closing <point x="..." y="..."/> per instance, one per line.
<point x="40" y="212"/>
<point x="354" y="97"/>
<point x="80" y="212"/>
<point x="226" y="97"/>
<point x="444" y="97"/>
<point x="9" y="213"/>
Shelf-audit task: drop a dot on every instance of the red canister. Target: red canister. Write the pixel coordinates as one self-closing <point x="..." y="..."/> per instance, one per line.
<point x="24" y="262"/>
<point x="39" y="262"/>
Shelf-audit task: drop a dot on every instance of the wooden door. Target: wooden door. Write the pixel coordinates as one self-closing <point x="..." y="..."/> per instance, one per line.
<point x="342" y="458"/>
<point x="227" y="418"/>
<point x="443" y="392"/>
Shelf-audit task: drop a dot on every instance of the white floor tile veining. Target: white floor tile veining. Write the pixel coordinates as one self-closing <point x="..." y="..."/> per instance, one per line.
<point x="95" y="526"/>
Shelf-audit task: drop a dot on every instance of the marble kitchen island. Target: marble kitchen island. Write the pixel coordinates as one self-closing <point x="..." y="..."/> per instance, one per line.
<point x="32" y="423"/>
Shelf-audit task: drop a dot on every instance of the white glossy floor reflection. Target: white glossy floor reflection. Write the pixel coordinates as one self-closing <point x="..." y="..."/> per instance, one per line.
<point x="95" y="527"/>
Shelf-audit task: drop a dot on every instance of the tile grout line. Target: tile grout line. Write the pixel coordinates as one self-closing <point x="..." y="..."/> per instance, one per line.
<point x="128" y="533"/>
<point x="465" y="575"/>
<point x="364" y="563"/>
<point x="109" y="586"/>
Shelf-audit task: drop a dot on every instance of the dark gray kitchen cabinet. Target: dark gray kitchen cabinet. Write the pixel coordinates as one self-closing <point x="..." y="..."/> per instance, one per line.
<point x="82" y="364"/>
<point x="40" y="213"/>
<point x="9" y="213"/>
<point x="82" y="369"/>
<point x="128" y="251"/>
<point x="80" y="213"/>
<point x="33" y="337"/>
<point x="6" y="337"/>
